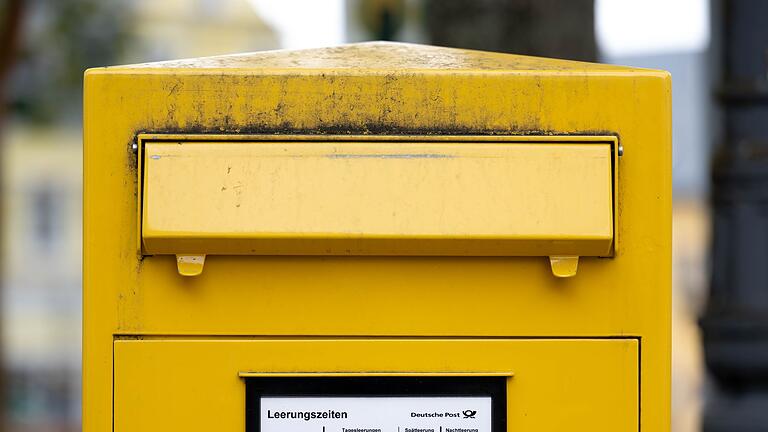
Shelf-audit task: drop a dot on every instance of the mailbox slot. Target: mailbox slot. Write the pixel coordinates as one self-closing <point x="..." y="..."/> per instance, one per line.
<point x="459" y="198"/>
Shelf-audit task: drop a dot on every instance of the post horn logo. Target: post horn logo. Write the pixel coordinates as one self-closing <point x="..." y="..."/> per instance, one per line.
<point x="469" y="413"/>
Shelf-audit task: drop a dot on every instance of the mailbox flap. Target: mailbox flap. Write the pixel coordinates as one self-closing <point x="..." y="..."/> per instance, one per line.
<point x="377" y="198"/>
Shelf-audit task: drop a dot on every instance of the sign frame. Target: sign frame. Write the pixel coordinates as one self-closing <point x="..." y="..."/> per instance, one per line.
<point x="494" y="387"/>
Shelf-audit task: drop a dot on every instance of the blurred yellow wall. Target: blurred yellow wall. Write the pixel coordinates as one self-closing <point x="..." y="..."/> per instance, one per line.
<point x="171" y="29"/>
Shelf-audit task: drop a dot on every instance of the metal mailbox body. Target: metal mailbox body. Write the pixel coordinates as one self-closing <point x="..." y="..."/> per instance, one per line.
<point x="374" y="210"/>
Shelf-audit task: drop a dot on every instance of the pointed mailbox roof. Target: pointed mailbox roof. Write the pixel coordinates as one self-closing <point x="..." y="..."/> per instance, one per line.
<point x="385" y="57"/>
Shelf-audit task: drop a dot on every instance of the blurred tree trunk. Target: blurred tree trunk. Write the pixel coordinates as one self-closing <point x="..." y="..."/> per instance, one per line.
<point x="548" y="28"/>
<point x="9" y="36"/>
<point x="9" y="40"/>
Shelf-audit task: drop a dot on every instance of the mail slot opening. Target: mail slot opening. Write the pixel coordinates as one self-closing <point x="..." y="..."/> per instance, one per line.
<point x="454" y="198"/>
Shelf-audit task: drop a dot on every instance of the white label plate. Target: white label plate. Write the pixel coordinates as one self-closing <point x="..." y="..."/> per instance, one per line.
<point x="376" y="414"/>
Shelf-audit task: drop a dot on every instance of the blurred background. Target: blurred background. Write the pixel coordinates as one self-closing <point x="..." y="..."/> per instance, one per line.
<point x="715" y="50"/>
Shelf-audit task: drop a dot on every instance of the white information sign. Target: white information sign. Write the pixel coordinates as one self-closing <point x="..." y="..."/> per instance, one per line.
<point x="376" y="414"/>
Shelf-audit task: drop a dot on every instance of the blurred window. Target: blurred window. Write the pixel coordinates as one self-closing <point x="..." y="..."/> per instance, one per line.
<point x="45" y="213"/>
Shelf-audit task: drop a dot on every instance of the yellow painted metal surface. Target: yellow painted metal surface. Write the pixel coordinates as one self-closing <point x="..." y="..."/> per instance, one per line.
<point x="594" y="389"/>
<point x="572" y="344"/>
<point x="373" y="198"/>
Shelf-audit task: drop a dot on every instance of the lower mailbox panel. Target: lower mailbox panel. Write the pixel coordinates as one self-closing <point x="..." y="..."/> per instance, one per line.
<point x="225" y="384"/>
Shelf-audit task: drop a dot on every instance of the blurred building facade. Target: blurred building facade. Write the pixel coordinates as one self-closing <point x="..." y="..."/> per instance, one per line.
<point x="42" y="278"/>
<point x="173" y="29"/>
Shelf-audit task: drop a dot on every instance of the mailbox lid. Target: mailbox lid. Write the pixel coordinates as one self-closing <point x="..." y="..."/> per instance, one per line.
<point x="378" y="198"/>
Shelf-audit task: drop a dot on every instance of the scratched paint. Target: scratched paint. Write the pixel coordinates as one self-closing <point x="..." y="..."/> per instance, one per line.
<point x="392" y="156"/>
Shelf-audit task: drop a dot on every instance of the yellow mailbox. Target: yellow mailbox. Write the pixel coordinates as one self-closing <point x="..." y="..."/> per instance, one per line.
<point x="376" y="237"/>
